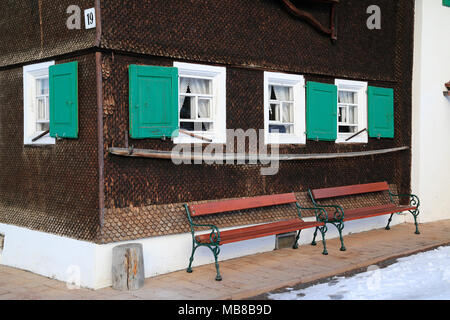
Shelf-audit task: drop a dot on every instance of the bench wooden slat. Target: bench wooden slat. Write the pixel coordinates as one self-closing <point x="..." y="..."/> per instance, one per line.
<point x="326" y="193"/>
<point x="295" y="226"/>
<point x="359" y="214"/>
<point x="241" y="204"/>
<point x="381" y="207"/>
<point x="368" y="212"/>
<point x="259" y="231"/>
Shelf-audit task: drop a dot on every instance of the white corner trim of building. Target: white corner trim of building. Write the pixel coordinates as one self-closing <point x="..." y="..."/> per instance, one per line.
<point x="431" y="110"/>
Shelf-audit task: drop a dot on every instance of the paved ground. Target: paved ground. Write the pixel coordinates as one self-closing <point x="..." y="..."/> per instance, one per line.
<point x="248" y="276"/>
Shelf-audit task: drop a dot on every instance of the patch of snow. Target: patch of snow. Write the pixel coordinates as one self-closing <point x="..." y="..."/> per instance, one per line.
<point x="423" y="276"/>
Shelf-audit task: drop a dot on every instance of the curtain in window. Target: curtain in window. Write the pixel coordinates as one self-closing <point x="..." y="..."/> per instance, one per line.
<point x="200" y="86"/>
<point x="286" y="113"/>
<point x="184" y="83"/>
<point x="282" y="93"/>
<point x="346" y="97"/>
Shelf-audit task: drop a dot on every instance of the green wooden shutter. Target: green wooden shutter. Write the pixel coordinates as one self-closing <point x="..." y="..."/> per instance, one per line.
<point x="446" y="3"/>
<point x="63" y="96"/>
<point x="321" y="111"/>
<point x="381" y="112"/>
<point x="153" y="102"/>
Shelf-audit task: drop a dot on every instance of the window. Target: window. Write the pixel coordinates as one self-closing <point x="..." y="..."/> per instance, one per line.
<point x="196" y="100"/>
<point x="284" y="108"/>
<point x="36" y="103"/>
<point x="42" y="105"/>
<point x="202" y="102"/>
<point x="351" y="111"/>
<point x="281" y="109"/>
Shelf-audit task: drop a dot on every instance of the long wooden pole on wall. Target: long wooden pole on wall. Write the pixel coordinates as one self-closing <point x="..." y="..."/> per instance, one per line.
<point x="159" y="154"/>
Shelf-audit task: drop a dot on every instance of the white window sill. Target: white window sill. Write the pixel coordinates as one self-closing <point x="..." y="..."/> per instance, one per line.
<point x="358" y="139"/>
<point x="284" y="139"/>
<point x="186" y="139"/>
<point x="47" y="140"/>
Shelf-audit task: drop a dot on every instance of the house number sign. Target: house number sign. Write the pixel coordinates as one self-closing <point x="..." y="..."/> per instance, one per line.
<point x="89" y="18"/>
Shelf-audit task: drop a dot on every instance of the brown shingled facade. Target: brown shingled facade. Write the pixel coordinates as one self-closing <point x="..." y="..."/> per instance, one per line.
<point x="56" y="188"/>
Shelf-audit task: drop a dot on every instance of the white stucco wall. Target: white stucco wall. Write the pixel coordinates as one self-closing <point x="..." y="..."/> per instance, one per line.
<point x="431" y="110"/>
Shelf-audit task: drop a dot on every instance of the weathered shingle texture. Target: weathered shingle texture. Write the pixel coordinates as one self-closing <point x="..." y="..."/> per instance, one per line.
<point x="35" y="30"/>
<point x="56" y="189"/>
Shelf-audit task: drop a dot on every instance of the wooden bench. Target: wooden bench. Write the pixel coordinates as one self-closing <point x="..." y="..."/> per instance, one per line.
<point x="339" y="214"/>
<point x="216" y="238"/>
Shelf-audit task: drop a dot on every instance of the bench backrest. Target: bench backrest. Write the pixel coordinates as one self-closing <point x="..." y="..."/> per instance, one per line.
<point x="241" y="204"/>
<point x="326" y="193"/>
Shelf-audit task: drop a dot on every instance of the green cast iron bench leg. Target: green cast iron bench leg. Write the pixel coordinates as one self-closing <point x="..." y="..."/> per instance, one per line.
<point x="415" y="215"/>
<point x="340" y="227"/>
<point x="215" y="250"/>
<point x="191" y="259"/>
<point x="389" y="222"/>
<point x="323" y="230"/>
<point x="295" y="246"/>
<point x="413" y="201"/>
<point x="313" y="243"/>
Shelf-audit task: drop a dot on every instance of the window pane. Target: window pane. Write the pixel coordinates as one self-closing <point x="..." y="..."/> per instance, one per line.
<point x="41" y="112"/>
<point x="342" y="116"/>
<point x="274" y="113"/>
<point x="197" y="126"/>
<point x="40" y="127"/>
<point x="273" y="128"/>
<point x="207" y="126"/>
<point x="347" y="97"/>
<point x="353" y="115"/>
<point x="289" y="129"/>
<point x="281" y="93"/>
<point x="42" y="86"/>
<point x="287" y="112"/>
<point x="204" y="108"/>
<point x="348" y="129"/>
<point x="196" y="86"/>
<point x="273" y="96"/>
<point x="189" y="126"/>
<point x="187" y="104"/>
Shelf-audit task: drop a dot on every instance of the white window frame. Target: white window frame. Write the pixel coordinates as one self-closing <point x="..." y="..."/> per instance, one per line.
<point x="297" y="82"/>
<point x="218" y="77"/>
<point x="30" y="74"/>
<point x="360" y="88"/>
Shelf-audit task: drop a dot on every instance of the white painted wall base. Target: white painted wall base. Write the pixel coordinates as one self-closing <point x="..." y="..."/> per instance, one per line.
<point x="64" y="259"/>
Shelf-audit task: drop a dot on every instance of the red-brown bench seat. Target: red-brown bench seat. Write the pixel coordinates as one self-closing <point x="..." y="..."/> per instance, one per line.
<point x="375" y="211"/>
<point x="258" y="231"/>
<point x="337" y="214"/>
